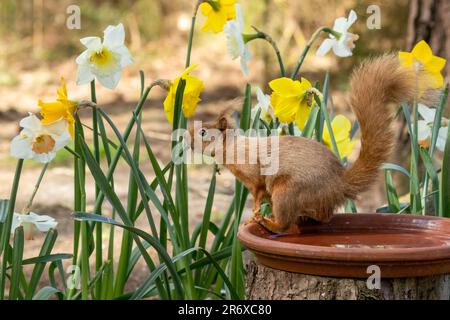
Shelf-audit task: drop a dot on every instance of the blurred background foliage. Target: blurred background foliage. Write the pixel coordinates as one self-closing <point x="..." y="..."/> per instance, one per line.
<point x="34" y="34"/>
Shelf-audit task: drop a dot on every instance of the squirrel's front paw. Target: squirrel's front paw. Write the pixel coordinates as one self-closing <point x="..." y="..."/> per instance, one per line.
<point x="254" y="219"/>
<point x="257" y="217"/>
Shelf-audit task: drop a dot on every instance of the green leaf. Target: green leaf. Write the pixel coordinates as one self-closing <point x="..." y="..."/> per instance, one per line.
<point x="3" y="210"/>
<point x="437" y="120"/>
<point x="324" y="111"/>
<point x="311" y="122"/>
<point x="56" y="265"/>
<point x="144" y="287"/>
<point x="445" y="190"/>
<point x="434" y="178"/>
<point x="106" y="189"/>
<point x="396" y="167"/>
<point x="255" y="124"/>
<point x="17" y="256"/>
<point x="350" y="206"/>
<point x="391" y="192"/>
<point x="246" y="109"/>
<point x="134" y="257"/>
<point x="46" y="292"/>
<point x="145" y="236"/>
<point x="38" y="269"/>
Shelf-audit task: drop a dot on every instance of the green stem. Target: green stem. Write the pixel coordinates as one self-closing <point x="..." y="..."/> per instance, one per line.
<point x="262" y="35"/>
<point x="323" y="108"/>
<point x="79" y="203"/>
<point x="191" y="33"/>
<point x="302" y="56"/>
<point x="27" y="208"/>
<point x="6" y="228"/>
<point x="98" y="226"/>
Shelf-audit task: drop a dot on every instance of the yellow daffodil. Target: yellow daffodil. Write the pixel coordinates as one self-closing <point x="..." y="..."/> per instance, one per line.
<point x="62" y="108"/>
<point x="290" y="100"/>
<point x="341" y="127"/>
<point x="421" y="59"/>
<point x="217" y="13"/>
<point x="191" y="97"/>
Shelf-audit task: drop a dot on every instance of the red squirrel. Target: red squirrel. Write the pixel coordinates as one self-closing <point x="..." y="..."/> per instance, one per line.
<point x="311" y="181"/>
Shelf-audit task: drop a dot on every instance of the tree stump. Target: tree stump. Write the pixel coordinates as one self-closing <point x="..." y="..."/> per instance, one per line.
<point x="265" y="283"/>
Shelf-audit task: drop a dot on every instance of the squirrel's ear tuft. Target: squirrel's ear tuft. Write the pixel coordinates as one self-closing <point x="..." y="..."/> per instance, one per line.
<point x="222" y="123"/>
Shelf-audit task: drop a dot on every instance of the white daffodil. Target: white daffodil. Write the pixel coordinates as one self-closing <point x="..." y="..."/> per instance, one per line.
<point x="425" y="128"/>
<point x="263" y="105"/>
<point x="344" y="44"/>
<point x="104" y="60"/>
<point x="32" y="222"/>
<point x="38" y="141"/>
<point x="236" y="45"/>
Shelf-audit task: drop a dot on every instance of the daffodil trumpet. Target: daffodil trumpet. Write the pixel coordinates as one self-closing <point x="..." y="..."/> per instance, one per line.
<point x="305" y="51"/>
<point x="217" y="13"/>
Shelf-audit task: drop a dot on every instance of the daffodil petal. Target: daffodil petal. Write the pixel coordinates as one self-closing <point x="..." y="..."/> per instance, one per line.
<point x="286" y="87"/>
<point x="426" y="113"/>
<point x="114" y="36"/>
<point x="352" y="17"/>
<point x="436" y="64"/>
<point x="345" y="148"/>
<point x="31" y="123"/>
<point x="84" y="74"/>
<point x="125" y="56"/>
<point x="423" y="130"/>
<point x="110" y="81"/>
<point x="205" y="8"/>
<point x="285" y="108"/>
<point x="442" y="138"/>
<point x="341" y="49"/>
<point x="422" y="51"/>
<point x="169" y="106"/>
<point x="406" y="58"/>
<point x="438" y="80"/>
<point x="340" y="25"/>
<point x="302" y="115"/>
<point x="325" y="47"/>
<point x="21" y="148"/>
<point x="92" y="43"/>
<point x="341" y="127"/>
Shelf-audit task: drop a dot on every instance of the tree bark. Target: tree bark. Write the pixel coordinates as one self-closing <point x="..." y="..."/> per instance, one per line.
<point x="429" y="20"/>
<point x="264" y="283"/>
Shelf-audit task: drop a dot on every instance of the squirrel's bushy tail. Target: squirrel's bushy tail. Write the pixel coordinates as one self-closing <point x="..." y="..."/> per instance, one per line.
<point x="374" y="85"/>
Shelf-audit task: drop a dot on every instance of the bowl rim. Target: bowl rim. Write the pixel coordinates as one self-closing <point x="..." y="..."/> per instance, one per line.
<point x="295" y="251"/>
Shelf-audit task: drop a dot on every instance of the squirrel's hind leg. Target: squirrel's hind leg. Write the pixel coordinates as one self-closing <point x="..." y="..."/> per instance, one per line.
<point x="283" y="220"/>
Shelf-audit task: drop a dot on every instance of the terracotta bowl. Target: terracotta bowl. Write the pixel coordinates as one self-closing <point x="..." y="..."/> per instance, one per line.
<point x="401" y="245"/>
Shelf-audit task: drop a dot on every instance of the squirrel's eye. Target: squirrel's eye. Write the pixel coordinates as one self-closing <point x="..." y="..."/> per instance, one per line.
<point x="202" y="132"/>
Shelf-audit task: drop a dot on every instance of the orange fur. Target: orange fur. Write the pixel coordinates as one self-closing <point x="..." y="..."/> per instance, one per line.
<point x="311" y="182"/>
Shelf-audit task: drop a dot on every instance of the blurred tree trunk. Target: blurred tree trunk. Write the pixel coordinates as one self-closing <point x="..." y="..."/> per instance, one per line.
<point x="429" y="20"/>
